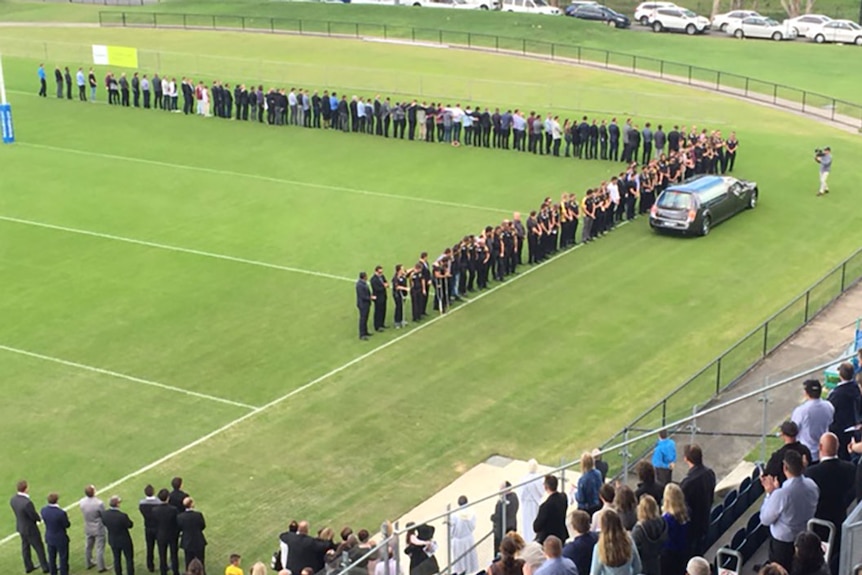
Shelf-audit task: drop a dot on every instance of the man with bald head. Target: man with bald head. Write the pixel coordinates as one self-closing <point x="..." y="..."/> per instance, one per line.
<point x="836" y="479"/>
<point x="191" y="524"/>
<point x="94" y="531"/>
<point x="305" y="550"/>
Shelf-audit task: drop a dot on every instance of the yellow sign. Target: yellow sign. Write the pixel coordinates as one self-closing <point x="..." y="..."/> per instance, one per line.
<point x="123" y="57"/>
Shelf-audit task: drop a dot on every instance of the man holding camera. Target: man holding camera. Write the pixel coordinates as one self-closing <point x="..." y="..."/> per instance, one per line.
<point x="824" y="158"/>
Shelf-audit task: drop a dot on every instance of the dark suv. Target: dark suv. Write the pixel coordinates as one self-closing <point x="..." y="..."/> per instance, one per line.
<point x="701" y="202"/>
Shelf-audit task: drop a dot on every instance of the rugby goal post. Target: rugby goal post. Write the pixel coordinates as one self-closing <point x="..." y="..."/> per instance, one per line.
<point x="5" y="110"/>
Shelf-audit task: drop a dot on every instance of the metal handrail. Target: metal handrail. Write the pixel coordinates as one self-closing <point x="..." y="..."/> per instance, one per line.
<point x="465" y="553"/>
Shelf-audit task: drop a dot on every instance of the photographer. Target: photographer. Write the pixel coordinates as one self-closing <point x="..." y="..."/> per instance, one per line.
<point x="824" y="158"/>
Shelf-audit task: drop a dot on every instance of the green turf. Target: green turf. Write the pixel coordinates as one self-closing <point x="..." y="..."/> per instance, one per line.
<point x="548" y="365"/>
<point x="817" y="68"/>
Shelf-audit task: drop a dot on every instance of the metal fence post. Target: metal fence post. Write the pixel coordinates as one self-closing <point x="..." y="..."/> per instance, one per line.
<point x="765" y="422"/>
<point x="397" y="555"/>
<point x="562" y="475"/>
<point x="689" y="75"/>
<point x="664" y="412"/>
<point x="385" y="32"/>
<point x="579" y="54"/>
<point x="496" y="43"/>
<point x="765" y="337"/>
<point x="524" y="46"/>
<point x="448" y="522"/>
<point x="807" y="297"/>
<point x="746" y="86"/>
<point x="718" y="376"/>
<point x="661" y="68"/>
<point x="625" y="454"/>
<point x="299" y="26"/>
<point x="607" y="58"/>
<point x="356" y="26"/>
<point x="693" y="425"/>
<point x="634" y="63"/>
<point x="774" y="93"/>
<point x="718" y="81"/>
<point x="804" y="94"/>
<point x="843" y="275"/>
<point x="413" y="34"/>
<point x="440" y="36"/>
<point x="124" y="19"/>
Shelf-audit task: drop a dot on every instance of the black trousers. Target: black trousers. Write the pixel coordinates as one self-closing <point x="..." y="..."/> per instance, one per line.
<point x="647" y="152"/>
<point x="82" y="93"/>
<point x="615" y="151"/>
<point x="165" y="546"/>
<point x="150" y="538"/>
<point x="34" y="542"/>
<point x="136" y="96"/>
<point x="780" y="552"/>
<point x="157" y="102"/>
<point x="147" y="99"/>
<point x="364" y="310"/>
<point x="603" y="149"/>
<point x="191" y="554"/>
<point x="399" y="310"/>
<point x="43" y="88"/>
<point x="129" y="552"/>
<point x="416" y="304"/>
<point x="379" y="311"/>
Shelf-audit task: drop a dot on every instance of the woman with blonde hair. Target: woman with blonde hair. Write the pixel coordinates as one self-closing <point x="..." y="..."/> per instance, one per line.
<point x="615" y="553"/>
<point x="258" y="569"/>
<point x="587" y="494"/>
<point x="674" y="554"/>
<point x="649" y="535"/>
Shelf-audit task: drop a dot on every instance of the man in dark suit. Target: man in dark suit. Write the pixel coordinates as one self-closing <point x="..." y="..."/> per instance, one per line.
<point x="699" y="490"/>
<point x="379" y="285"/>
<point x="836" y="480"/>
<point x="847" y="400"/>
<point x="177" y="496"/>
<point x="118" y="524"/>
<point x="146" y="507"/>
<point x="505" y="517"/>
<point x="614" y="139"/>
<point x="56" y="523"/>
<point x="26" y="520"/>
<point x="165" y="517"/>
<point x="775" y="465"/>
<point x="304" y="550"/>
<point x="191" y="525"/>
<point x="363" y="303"/>
<point x="551" y="518"/>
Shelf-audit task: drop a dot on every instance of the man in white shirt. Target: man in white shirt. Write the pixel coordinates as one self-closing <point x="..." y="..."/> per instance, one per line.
<point x="787" y="509"/>
<point x="613" y="189"/>
<point x="292" y="106"/>
<point x="556" y="134"/>
<point x="166" y="91"/>
<point x="813" y="417"/>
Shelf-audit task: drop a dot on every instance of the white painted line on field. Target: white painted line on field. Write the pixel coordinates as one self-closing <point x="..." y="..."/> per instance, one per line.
<point x="124" y="376"/>
<point x="320" y="379"/>
<point x="263" y="178"/>
<point x="173" y="248"/>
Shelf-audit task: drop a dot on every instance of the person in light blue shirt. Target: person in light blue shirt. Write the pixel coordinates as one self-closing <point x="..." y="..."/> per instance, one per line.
<point x="664" y="457"/>
<point x="556" y="564"/>
<point x="788" y="508"/>
<point x="824" y="158"/>
<point x="81" y="81"/>
<point x="43" y="83"/>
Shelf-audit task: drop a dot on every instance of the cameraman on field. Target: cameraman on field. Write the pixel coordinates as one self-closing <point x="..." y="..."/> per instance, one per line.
<point x="824" y="158"/>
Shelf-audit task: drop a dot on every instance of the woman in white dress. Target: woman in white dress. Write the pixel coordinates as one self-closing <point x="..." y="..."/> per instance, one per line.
<point x="461" y="526"/>
<point x="531" y="497"/>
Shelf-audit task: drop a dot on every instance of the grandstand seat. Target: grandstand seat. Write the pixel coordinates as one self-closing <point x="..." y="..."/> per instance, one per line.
<point x="753" y="523"/>
<point x="713" y="532"/>
<point x="753" y="532"/>
<point x="755" y="475"/>
<point x="756" y="489"/>
<point x="728" y="517"/>
<point x="744" y="499"/>
<point x="738" y="539"/>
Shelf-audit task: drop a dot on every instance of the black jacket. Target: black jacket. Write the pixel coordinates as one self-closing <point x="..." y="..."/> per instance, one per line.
<point x="649" y="538"/>
<point x="117" y="523"/>
<point x="165" y="518"/>
<point x="191" y="524"/>
<point x="836" y="480"/>
<point x="699" y="490"/>
<point x="551" y="518"/>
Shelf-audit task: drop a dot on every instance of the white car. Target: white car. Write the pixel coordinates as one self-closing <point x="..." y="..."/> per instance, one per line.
<point x="644" y="9"/>
<point x="760" y="27"/>
<point x="678" y="20"/>
<point x="722" y="21"/>
<point x="529" y="6"/>
<point x="844" y="31"/>
<point x="802" y="24"/>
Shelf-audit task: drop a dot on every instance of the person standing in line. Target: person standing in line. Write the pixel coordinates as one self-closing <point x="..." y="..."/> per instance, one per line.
<point x="136" y="90"/>
<point x="824" y="158"/>
<point x="698" y="486"/>
<point x="505" y="517"/>
<point x="81" y="81"/>
<point x="418" y="291"/>
<point x="461" y="527"/>
<point x="58" y="78"/>
<point x="730" y="147"/>
<point x="118" y="525"/>
<point x="146" y="507"/>
<point x="648" y="136"/>
<point x="157" y="91"/>
<point x="43" y="83"/>
<point x="400" y="290"/>
<point x="363" y="303"/>
<point x="379" y="285"/>
<point x="660" y="139"/>
<point x="57" y="539"/>
<point x="551" y="519"/>
<point x="124" y="90"/>
<point x="813" y="416"/>
<point x="614" y="139"/>
<point x="165" y="516"/>
<point x="847" y="401"/>
<point x="94" y="531"/>
<point x="67" y="77"/>
<point x="191" y="524"/>
<point x="145" y="89"/>
<point x="91" y="80"/>
<point x="26" y="523"/>
<point x="664" y="458"/>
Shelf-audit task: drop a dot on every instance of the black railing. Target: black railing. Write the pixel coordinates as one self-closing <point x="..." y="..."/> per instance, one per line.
<point x="810" y="103"/>
<point x="728" y="368"/>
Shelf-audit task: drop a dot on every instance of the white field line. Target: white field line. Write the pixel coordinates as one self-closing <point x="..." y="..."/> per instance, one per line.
<point x="174" y="248"/>
<point x="262" y="178"/>
<point x="320" y="379"/>
<point x="126" y="377"/>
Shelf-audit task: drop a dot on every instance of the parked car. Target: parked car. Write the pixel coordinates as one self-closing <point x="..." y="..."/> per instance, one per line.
<point x="453" y="4"/>
<point x="678" y="20"/>
<point x="802" y="24"/>
<point x="577" y="3"/>
<point x="722" y="21"/>
<point x="844" y="31"/>
<point x="760" y="27"/>
<point x="600" y="13"/>
<point x="699" y="203"/>
<point x="530" y="6"/>
<point x="644" y="9"/>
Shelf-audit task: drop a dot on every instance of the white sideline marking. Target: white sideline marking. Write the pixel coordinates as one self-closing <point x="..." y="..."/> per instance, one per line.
<point x="320" y="379"/>
<point x="124" y="376"/>
<point x="263" y="178"/>
<point x="173" y="248"/>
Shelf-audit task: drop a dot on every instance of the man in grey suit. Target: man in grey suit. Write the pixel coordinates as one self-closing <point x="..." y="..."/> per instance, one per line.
<point x="94" y="530"/>
<point x="26" y="520"/>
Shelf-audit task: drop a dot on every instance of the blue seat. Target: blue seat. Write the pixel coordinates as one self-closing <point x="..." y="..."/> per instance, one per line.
<point x="755" y="475"/>
<point x="738" y="540"/>
<point x="716" y="512"/>
<point x="744" y="496"/>
<point x="755" y="491"/>
<point x="728" y="517"/>
<point x="753" y="523"/>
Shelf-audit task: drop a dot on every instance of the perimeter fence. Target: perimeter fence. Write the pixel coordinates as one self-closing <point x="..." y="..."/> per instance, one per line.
<point x="803" y="101"/>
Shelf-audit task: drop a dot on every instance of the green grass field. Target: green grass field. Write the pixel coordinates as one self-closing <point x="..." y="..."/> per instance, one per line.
<point x="300" y="419"/>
